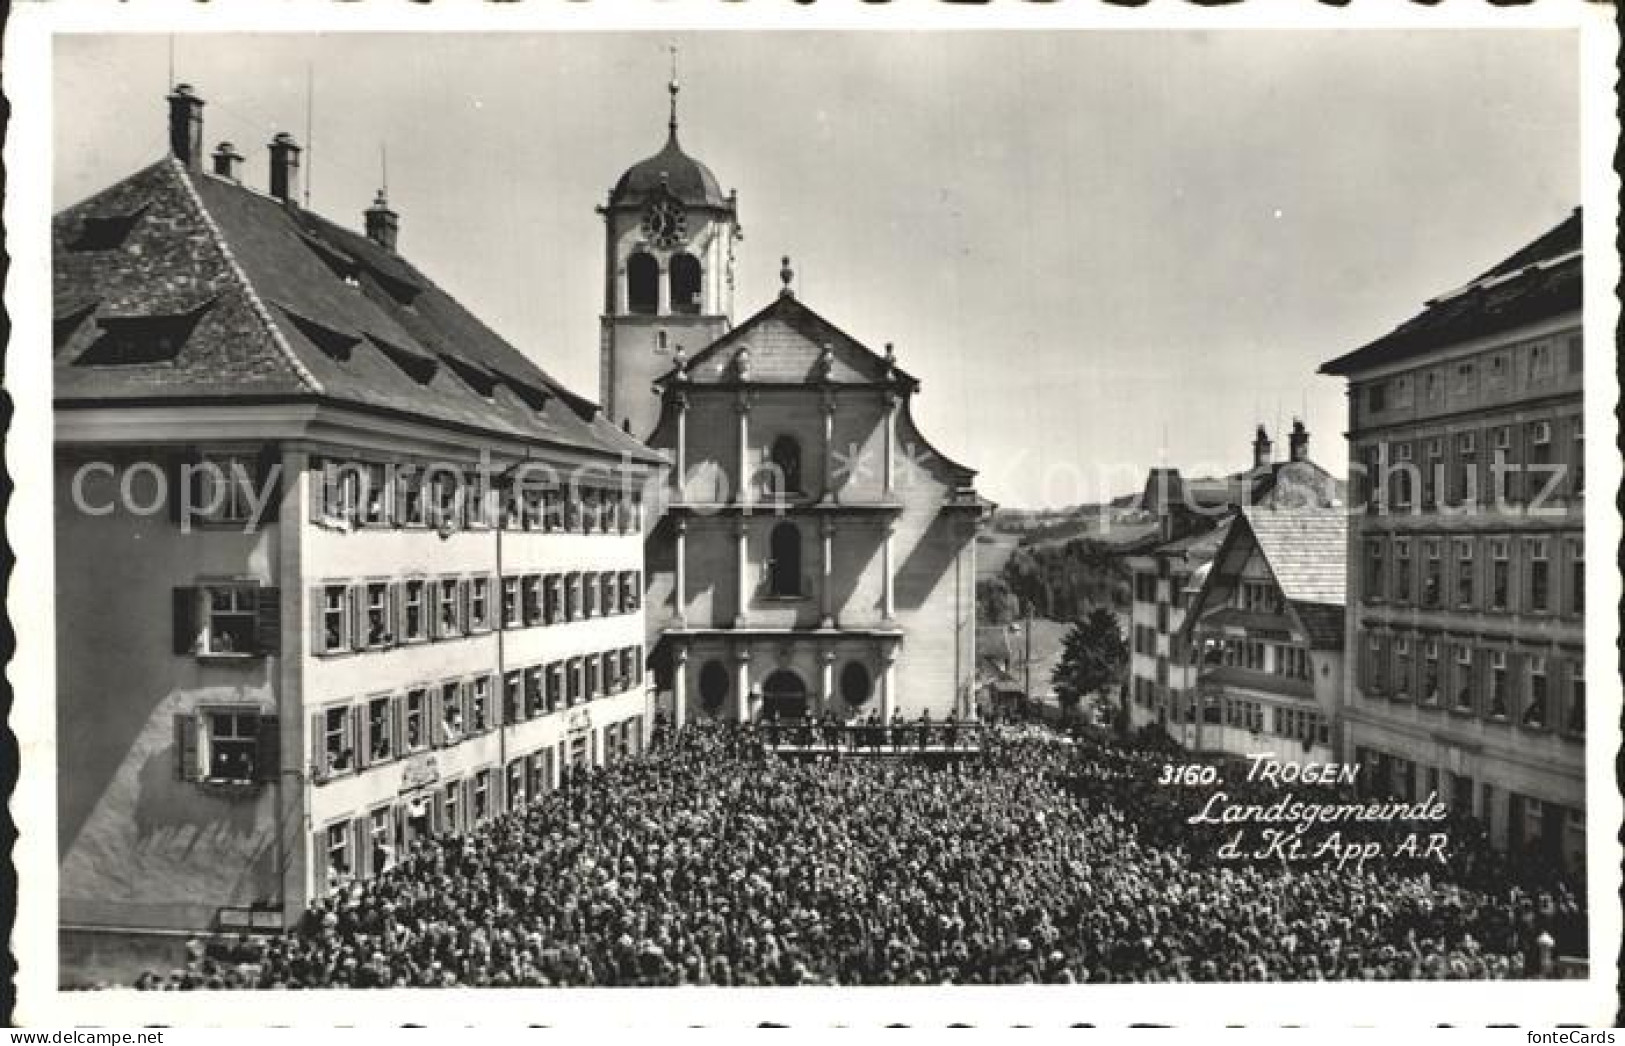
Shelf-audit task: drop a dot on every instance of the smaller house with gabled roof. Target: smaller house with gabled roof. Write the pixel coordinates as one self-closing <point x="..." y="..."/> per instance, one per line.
<point x="1265" y="632"/>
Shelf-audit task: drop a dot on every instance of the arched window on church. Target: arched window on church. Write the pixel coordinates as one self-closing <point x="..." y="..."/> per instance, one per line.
<point x="642" y="284"/>
<point x="785" y="457"/>
<point x="685" y="284"/>
<point x="784" y="561"/>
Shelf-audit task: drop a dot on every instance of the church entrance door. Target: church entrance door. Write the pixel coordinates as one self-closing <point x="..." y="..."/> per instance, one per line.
<point x="784" y="695"/>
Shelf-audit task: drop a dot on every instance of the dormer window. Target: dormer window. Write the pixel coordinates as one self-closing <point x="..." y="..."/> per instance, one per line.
<point x="414" y="363"/>
<point x="106" y="232"/>
<point x="480" y="380"/>
<point x="131" y="340"/>
<point x="335" y="344"/>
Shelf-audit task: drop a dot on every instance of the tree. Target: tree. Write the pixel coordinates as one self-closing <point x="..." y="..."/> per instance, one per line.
<point x="1093" y="656"/>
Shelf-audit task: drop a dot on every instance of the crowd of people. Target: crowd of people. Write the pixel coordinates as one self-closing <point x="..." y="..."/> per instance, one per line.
<point x="1038" y="859"/>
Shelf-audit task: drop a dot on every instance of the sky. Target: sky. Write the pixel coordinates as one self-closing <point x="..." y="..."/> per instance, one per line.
<point x="1098" y="251"/>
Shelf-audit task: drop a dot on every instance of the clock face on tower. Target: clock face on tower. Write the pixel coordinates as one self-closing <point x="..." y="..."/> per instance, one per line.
<point x="664" y="222"/>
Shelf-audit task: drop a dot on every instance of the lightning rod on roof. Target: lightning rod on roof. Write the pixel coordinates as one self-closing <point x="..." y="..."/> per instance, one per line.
<point x="310" y="138"/>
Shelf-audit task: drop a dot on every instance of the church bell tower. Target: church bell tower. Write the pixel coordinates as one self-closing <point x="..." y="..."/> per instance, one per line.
<point x="669" y="236"/>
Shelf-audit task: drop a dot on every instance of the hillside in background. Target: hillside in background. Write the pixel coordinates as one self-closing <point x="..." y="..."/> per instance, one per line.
<point x="1060" y="580"/>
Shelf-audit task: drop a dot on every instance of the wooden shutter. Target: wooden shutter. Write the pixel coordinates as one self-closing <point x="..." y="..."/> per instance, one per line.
<point x="188" y="763"/>
<point x="268" y="756"/>
<point x="397" y="611"/>
<point x="351" y="740"/>
<point x="318" y="606"/>
<point x="318" y="746"/>
<point x="437" y="816"/>
<point x="356" y="604"/>
<point x="1519" y="486"/>
<point x="464" y="598"/>
<point x="185" y="608"/>
<point x="268" y="480"/>
<point x="434" y="711"/>
<point x="397" y="726"/>
<point x="361" y="843"/>
<point x="361" y="720"/>
<point x="318" y="862"/>
<point x="268" y="620"/>
<point x="392" y="612"/>
<point x="1572" y="454"/>
<point x="318" y="491"/>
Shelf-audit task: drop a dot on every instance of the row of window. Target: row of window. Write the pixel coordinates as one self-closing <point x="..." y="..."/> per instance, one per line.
<point x="367" y="845"/>
<point x="354" y="736"/>
<point x="1261" y="597"/>
<point x="375" y="494"/>
<point x="1282" y="659"/>
<point x="1534" y="363"/>
<point x="1537" y="690"/>
<point x="1145" y="591"/>
<point x="542" y="689"/>
<point x="855" y="684"/>
<point x="1511" y="464"/>
<point x="1499" y="573"/>
<point x="1306" y="725"/>
<point x="1145" y="690"/>
<point x="379" y="614"/>
<point x="643" y="283"/>
<point x="1527" y="822"/>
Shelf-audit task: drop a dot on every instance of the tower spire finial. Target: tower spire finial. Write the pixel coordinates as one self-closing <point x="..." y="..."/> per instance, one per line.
<point x="673" y="88"/>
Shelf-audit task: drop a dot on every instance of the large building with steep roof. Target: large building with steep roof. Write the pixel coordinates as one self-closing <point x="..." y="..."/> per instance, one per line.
<point x="337" y="565"/>
<point x="817" y="554"/>
<point x="1466" y="554"/>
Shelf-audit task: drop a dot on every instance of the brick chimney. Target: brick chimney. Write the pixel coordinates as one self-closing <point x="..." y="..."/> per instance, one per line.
<point x="1299" y="441"/>
<point x="226" y="159"/>
<point x="285" y="167"/>
<point x="1261" y="448"/>
<point x="186" y="127"/>
<point x="383" y="224"/>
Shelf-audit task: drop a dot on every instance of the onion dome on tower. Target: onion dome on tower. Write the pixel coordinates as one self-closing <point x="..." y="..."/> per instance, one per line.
<point x="669" y="172"/>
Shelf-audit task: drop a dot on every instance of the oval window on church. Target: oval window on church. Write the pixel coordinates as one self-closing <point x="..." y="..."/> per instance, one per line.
<point x="713" y="685"/>
<point x="856" y="686"/>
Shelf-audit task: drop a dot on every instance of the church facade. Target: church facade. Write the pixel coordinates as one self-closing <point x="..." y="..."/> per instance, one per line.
<point x="816" y="554"/>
